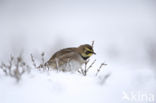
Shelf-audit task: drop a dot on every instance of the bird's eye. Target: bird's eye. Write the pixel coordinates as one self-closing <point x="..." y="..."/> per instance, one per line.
<point x="88" y="52"/>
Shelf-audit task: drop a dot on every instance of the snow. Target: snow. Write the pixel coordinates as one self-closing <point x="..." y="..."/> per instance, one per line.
<point x="61" y="87"/>
<point x="124" y="35"/>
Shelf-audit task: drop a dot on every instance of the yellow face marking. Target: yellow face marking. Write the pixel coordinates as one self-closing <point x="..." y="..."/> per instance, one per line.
<point x="90" y="54"/>
<point x="87" y="55"/>
<point x="89" y="49"/>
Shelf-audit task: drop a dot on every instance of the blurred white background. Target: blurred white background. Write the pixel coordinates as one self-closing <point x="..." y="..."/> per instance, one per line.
<point x="123" y="30"/>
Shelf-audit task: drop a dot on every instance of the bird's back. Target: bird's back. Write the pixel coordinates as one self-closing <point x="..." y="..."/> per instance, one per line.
<point x="63" y="57"/>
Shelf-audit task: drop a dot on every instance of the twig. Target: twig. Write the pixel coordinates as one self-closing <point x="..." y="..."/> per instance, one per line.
<point x="3" y="66"/>
<point x="42" y="57"/>
<point x="98" y="70"/>
<point x="43" y="65"/>
<point x="84" y="72"/>
<point x="93" y="43"/>
<point x="91" y="65"/>
<point x="16" y="68"/>
<point x="86" y="69"/>
<point x="33" y="61"/>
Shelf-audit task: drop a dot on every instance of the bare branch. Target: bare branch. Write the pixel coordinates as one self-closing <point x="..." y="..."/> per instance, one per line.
<point x="33" y="61"/>
<point x="16" y="68"/>
<point x="91" y="65"/>
<point x="93" y="43"/>
<point x="86" y="69"/>
<point x="43" y="62"/>
<point x="98" y="70"/>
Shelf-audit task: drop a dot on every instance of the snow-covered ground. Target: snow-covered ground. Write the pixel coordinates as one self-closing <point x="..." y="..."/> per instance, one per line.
<point x="41" y="87"/>
<point x="124" y="34"/>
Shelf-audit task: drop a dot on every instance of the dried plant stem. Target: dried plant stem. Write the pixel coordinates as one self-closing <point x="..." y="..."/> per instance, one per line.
<point x="16" y="68"/>
<point x="33" y="61"/>
<point x="86" y="69"/>
<point x="93" y="43"/>
<point x="3" y="66"/>
<point x="91" y="64"/>
<point x="43" y="61"/>
<point x="42" y="57"/>
<point x="99" y="69"/>
<point x="43" y="65"/>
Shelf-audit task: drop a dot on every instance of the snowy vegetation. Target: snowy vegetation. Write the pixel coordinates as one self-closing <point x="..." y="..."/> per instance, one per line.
<point x="25" y="83"/>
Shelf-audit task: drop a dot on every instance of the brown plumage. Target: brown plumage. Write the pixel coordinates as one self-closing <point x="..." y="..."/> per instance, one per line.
<point x="70" y="59"/>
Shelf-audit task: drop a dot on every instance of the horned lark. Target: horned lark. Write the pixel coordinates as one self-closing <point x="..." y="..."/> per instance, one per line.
<point x="70" y="59"/>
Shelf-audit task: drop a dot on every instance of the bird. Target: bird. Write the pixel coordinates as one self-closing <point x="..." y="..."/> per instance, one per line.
<point x="70" y="59"/>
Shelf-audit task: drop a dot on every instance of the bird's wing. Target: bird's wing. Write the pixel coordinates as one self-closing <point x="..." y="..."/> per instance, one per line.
<point x="63" y="52"/>
<point x="63" y="56"/>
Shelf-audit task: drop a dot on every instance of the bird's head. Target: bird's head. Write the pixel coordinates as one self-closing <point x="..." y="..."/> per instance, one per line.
<point x="86" y="51"/>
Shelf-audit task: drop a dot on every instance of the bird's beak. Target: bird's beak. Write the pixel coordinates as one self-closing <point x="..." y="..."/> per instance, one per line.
<point x="94" y="53"/>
